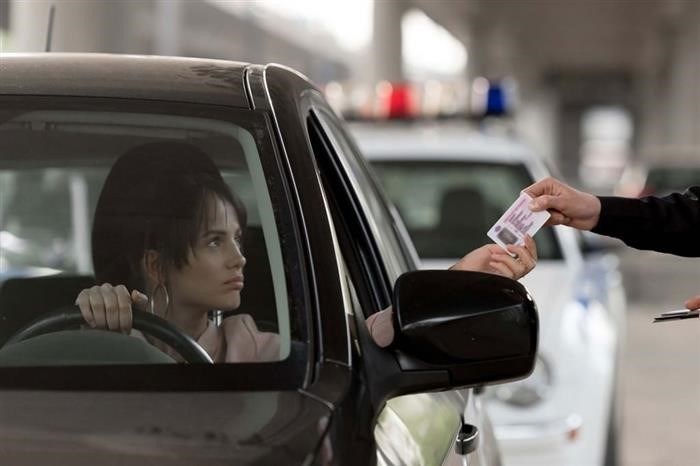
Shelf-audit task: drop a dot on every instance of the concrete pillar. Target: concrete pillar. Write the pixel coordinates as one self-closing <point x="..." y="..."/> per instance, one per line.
<point x="495" y="54"/>
<point x="386" y="42"/>
<point x="684" y="81"/>
<point x="650" y="123"/>
<point x="569" y="140"/>
<point x="499" y="55"/>
<point x="28" y="26"/>
<point x="669" y="120"/>
<point x="77" y="26"/>
<point x="536" y="119"/>
<point x="81" y="26"/>
<point x="475" y="44"/>
<point x="168" y="27"/>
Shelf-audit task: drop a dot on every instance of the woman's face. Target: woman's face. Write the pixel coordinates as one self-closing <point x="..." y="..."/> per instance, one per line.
<point x="213" y="275"/>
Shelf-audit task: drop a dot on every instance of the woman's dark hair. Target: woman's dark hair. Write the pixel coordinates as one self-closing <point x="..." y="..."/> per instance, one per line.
<point x="154" y="198"/>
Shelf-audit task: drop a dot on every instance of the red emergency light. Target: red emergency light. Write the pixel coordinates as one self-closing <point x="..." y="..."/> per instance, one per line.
<point x="396" y="101"/>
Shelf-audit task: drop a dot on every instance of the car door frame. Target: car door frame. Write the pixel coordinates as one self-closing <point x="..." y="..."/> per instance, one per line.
<point x="279" y="91"/>
<point x="461" y="400"/>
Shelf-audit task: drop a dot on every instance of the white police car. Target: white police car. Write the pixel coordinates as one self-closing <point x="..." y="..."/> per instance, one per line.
<point x="450" y="183"/>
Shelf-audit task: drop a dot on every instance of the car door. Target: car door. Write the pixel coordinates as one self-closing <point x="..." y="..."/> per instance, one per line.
<point x="373" y="245"/>
<point x="411" y="429"/>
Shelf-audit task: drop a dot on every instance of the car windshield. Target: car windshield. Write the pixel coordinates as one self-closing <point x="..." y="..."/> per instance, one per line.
<point x="449" y="206"/>
<point x="70" y="218"/>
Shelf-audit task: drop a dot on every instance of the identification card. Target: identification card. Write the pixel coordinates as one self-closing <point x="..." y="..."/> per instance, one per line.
<point x="517" y="222"/>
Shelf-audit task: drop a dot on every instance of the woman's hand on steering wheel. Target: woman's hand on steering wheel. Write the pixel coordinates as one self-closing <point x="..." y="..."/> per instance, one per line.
<point x="109" y="307"/>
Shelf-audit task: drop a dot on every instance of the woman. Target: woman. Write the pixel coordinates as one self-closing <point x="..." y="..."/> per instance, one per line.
<point x="167" y="224"/>
<point x="168" y="227"/>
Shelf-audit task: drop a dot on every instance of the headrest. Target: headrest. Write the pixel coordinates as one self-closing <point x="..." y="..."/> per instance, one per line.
<point x="463" y="208"/>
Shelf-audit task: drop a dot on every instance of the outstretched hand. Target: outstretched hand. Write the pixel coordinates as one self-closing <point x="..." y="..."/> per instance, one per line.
<point x="491" y="258"/>
<point x="566" y="205"/>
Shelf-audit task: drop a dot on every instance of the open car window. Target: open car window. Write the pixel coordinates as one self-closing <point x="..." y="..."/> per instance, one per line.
<point x="54" y="162"/>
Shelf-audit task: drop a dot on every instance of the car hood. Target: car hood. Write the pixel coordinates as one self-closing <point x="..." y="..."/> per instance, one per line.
<point x="160" y="428"/>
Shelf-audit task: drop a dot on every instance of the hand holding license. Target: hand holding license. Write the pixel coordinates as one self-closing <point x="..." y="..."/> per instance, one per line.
<point x="517" y="222"/>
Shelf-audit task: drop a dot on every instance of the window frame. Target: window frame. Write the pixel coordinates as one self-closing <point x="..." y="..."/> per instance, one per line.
<point x="368" y="193"/>
<point x="361" y="254"/>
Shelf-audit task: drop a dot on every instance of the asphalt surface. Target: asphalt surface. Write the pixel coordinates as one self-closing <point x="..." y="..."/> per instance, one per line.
<point x="659" y="391"/>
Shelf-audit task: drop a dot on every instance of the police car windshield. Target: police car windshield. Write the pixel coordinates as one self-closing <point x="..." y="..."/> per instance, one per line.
<point x="86" y="194"/>
<point x="449" y="206"/>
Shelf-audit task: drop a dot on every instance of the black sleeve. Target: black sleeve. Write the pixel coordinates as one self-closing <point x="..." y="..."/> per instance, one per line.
<point x="665" y="224"/>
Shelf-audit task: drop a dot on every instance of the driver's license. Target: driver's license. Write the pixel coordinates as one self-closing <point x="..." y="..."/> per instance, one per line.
<point x="517" y="222"/>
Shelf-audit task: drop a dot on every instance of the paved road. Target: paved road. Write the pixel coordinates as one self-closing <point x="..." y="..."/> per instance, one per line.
<point x="660" y="388"/>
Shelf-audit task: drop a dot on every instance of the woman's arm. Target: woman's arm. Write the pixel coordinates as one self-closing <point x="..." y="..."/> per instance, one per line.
<point x="489" y="258"/>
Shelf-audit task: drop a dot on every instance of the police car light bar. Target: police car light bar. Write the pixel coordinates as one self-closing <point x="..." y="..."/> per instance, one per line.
<point x="431" y="99"/>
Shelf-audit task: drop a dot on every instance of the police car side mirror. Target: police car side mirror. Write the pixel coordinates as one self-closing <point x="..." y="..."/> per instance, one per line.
<point x="479" y="328"/>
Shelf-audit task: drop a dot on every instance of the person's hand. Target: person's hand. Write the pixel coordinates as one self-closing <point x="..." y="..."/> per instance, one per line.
<point x="693" y="303"/>
<point x="491" y="258"/>
<point x="566" y="205"/>
<point x="109" y="307"/>
<point x="381" y="327"/>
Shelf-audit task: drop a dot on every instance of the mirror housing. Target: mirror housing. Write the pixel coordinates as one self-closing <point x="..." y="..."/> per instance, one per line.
<point x="479" y="328"/>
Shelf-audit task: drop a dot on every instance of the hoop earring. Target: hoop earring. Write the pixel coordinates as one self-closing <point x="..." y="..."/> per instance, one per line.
<point x="152" y="299"/>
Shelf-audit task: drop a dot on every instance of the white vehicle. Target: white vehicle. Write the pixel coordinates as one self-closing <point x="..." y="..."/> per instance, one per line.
<point x="450" y="183"/>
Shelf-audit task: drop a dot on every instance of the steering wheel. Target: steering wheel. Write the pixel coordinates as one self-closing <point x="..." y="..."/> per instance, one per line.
<point x="69" y="317"/>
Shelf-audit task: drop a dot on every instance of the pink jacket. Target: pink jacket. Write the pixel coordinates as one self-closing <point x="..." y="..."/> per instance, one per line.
<point x="252" y="345"/>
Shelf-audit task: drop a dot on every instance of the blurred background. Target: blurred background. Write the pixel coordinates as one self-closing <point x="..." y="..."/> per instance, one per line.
<point x="608" y="91"/>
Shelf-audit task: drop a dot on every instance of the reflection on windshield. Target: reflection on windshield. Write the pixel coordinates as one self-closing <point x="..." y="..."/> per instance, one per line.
<point x="45" y="214"/>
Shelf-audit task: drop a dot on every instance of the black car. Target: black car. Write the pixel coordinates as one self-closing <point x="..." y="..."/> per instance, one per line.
<point x="324" y="251"/>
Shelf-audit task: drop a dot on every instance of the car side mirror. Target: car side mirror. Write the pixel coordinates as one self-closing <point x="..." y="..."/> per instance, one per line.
<point x="480" y="328"/>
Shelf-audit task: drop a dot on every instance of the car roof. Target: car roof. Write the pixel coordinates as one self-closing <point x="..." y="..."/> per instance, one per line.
<point x="437" y="141"/>
<point x="124" y="76"/>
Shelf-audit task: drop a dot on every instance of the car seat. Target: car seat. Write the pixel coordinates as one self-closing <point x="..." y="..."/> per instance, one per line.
<point x="463" y="223"/>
